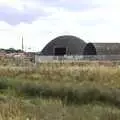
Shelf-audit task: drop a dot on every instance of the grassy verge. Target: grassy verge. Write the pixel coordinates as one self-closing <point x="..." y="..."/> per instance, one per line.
<point x="83" y="94"/>
<point x="54" y="110"/>
<point x="75" y="91"/>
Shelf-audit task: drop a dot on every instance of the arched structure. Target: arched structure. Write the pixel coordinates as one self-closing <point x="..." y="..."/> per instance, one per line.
<point x="90" y="49"/>
<point x="107" y="48"/>
<point x="67" y="44"/>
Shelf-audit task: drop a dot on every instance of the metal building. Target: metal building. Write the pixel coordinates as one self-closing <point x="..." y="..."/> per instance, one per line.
<point x="72" y="45"/>
<point x="64" y="45"/>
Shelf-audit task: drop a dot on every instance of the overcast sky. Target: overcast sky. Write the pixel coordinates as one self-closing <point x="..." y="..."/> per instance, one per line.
<point x="39" y="21"/>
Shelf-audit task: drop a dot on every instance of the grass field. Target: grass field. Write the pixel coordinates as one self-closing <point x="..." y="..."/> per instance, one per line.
<point x="60" y="91"/>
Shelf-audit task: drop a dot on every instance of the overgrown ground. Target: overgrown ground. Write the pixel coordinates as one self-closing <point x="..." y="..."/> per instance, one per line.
<point x="60" y="91"/>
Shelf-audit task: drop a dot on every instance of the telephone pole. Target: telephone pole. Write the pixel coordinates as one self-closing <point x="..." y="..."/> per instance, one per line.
<point x="22" y="44"/>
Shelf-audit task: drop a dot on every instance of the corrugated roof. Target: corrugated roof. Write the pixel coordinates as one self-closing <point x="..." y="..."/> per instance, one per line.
<point x="107" y="48"/>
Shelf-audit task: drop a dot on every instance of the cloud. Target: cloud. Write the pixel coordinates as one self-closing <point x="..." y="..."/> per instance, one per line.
<point x="15" y="12"/>
<point x="14" y="16"/>
<point x="71" y="5"/>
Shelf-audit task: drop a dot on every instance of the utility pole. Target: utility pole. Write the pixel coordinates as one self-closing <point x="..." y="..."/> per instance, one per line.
<point x="22" y="44"/>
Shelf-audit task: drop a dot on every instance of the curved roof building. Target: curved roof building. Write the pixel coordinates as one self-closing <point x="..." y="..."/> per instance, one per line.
<point x="90" y="49"/>
<point x="62" y="45"/>
<point x="102" y="49"/>
<point x="107" y="48"/>
<point x="72" y="45"/>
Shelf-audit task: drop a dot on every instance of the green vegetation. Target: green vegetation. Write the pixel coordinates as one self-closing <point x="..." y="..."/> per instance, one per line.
<point x="60" y="91"/>
<point x="11" y="50"/>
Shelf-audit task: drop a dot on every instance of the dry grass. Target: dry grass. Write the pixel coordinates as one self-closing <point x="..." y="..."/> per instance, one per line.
<point x="54" y="110"/>
<point x="57" y="91"/>
<point x="66" y="73"/>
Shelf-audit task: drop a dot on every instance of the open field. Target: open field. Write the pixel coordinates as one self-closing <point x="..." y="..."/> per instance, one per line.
<point x="60" y="91"/>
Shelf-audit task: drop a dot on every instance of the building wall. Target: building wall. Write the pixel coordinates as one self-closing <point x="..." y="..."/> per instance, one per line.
<point x="107" y="48"/>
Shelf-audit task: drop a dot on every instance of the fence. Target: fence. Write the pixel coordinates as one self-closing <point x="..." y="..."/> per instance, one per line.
<point x="39" y="59"/>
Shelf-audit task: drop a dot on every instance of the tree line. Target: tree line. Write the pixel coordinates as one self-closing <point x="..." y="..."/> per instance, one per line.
<point x="11" y="50"/>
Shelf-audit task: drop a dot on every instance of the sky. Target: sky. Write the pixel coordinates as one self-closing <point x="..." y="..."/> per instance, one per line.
<point x="40" y="21"/>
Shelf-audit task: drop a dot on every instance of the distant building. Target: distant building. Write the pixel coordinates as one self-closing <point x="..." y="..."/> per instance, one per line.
<point x="64" y="45"/>
<point x="71" y="45"/>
